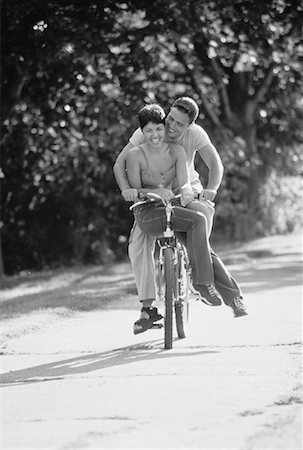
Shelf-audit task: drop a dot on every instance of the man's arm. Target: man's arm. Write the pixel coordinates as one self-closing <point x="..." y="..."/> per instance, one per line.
<point x="120" y="168"/>
<point x="132" y="162"/>
<point x="187" y="194"/>
<point x="215" y="167"/>
<point x="129" y="194"/>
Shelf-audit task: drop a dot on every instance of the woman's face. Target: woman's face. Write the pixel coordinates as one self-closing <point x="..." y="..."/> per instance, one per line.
<point x="154" y="133"/>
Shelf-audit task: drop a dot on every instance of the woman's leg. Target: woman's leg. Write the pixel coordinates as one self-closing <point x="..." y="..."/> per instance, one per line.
<point x="141" y="254"/>
<point x="150" y="223"/>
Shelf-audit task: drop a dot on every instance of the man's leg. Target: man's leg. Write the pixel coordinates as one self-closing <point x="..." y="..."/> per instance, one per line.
<point x="228" y="287"/>
<point x="206" y="209"/>
<point x="225" y="284"/>
<point x="141" y="254"/>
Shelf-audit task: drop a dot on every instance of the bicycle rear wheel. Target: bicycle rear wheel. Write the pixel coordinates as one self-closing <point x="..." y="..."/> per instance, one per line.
<point x="182" y="294"/>
<point x="170" y="289"/>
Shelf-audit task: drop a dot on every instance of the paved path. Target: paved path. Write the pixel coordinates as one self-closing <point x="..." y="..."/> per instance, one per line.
<point x="73" y="380"/>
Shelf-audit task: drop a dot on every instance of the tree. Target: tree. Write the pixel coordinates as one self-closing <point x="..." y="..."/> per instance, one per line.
<point x="57" y="140"/>
<point x="240" y="59"/>
<point x="74" y="76"/>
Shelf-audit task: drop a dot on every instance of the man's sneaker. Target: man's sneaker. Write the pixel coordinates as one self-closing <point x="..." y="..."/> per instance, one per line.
<point x="238" y="307"/>
<point x="208" y="294"/>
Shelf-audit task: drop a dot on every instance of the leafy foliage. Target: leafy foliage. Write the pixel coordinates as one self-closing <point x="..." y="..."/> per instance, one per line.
<point x="75" y="74"/>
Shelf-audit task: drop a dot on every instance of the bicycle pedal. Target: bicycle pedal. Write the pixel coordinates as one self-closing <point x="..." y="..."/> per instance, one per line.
<point x="157" y="326"/>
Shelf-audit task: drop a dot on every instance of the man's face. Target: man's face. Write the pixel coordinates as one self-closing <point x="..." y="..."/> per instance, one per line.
<point x="176" y="124"/>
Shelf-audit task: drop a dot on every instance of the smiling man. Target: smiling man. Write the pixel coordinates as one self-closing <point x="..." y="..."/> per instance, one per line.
<point x="181" y="129"/>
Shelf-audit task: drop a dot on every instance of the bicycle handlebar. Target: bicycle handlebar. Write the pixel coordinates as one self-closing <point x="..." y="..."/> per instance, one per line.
<point x="152" y="197"/>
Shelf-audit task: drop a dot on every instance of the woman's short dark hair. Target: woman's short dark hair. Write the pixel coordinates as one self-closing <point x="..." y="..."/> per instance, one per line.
<point x="151" y="113"/>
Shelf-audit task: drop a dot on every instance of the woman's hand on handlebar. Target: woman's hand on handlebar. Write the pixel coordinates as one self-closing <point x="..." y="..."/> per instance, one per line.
<point x="130" y="195"/>
<point x="165" y="194"/>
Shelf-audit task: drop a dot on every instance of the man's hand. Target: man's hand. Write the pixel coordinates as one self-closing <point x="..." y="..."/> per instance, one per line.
<point x="208" y="194"/>
<point x="187" y="194"/>
<point x="130" y="195"/>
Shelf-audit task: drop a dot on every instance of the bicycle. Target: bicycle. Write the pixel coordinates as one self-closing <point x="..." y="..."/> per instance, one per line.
<point x="173" y="276"/>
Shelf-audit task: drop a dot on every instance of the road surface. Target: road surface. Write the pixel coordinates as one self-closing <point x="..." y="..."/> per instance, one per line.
<point x="77" y="378"/>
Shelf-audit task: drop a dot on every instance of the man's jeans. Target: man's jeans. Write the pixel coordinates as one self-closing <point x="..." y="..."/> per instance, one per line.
<point x="192" y="224"/>
<point x="141" y="254"/>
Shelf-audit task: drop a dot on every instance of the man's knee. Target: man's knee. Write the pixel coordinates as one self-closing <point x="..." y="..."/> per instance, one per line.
<point x="206" y="210"/>
<point x="201" y="219"/>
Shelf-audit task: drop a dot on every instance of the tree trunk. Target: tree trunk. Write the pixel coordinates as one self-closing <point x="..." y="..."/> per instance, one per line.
<point x="248" y="223"/>
<point x="11" y="88"/>
<point x="11" y="94"/>
<point x="1" y="259"/>
<point x="242" y="122"/>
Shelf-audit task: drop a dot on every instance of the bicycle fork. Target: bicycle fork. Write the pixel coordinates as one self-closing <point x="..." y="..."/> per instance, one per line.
<point x="167" y="241"/>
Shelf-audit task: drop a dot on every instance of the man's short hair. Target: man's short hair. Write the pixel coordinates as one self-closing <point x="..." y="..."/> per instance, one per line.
<point x="187" y="105"/>
<point x="151" y="113"/>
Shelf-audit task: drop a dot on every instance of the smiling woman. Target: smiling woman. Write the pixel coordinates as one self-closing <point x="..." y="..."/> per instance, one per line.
<point x="154" y="164"/>
<point x="156" y="168"/>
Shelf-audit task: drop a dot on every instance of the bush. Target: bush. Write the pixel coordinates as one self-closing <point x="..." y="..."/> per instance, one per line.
<point x="281" y="205"/>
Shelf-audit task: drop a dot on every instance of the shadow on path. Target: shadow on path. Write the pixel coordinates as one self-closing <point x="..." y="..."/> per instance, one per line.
<point x="91" y="362"/>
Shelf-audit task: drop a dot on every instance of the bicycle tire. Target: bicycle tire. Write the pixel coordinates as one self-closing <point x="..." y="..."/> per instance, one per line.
<point x="170" y="289"/>
<point x="182" y="295"/>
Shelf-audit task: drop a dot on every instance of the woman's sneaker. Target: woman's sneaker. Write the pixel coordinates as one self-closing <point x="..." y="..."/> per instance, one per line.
<point x="208" y="294"/>
<point x="238" y="307"/>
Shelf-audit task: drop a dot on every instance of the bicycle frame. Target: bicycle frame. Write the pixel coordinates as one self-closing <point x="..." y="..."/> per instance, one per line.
<point x="173" y="276"/>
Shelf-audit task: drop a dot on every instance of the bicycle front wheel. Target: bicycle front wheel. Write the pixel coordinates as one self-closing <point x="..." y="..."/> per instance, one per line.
<point x="182" y="294"/>
<point x="170" y="289"/>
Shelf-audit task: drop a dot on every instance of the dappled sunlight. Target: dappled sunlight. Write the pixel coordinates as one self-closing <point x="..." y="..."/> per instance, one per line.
<point x="30" y="323"/>
<point x="81" y="289"/>
<point x="121" y="279"/>
<point x="36" y="283"/>
<point x="30" y="288"/>
<point x="88" y="292"/>
<point x="281" y="270"/>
